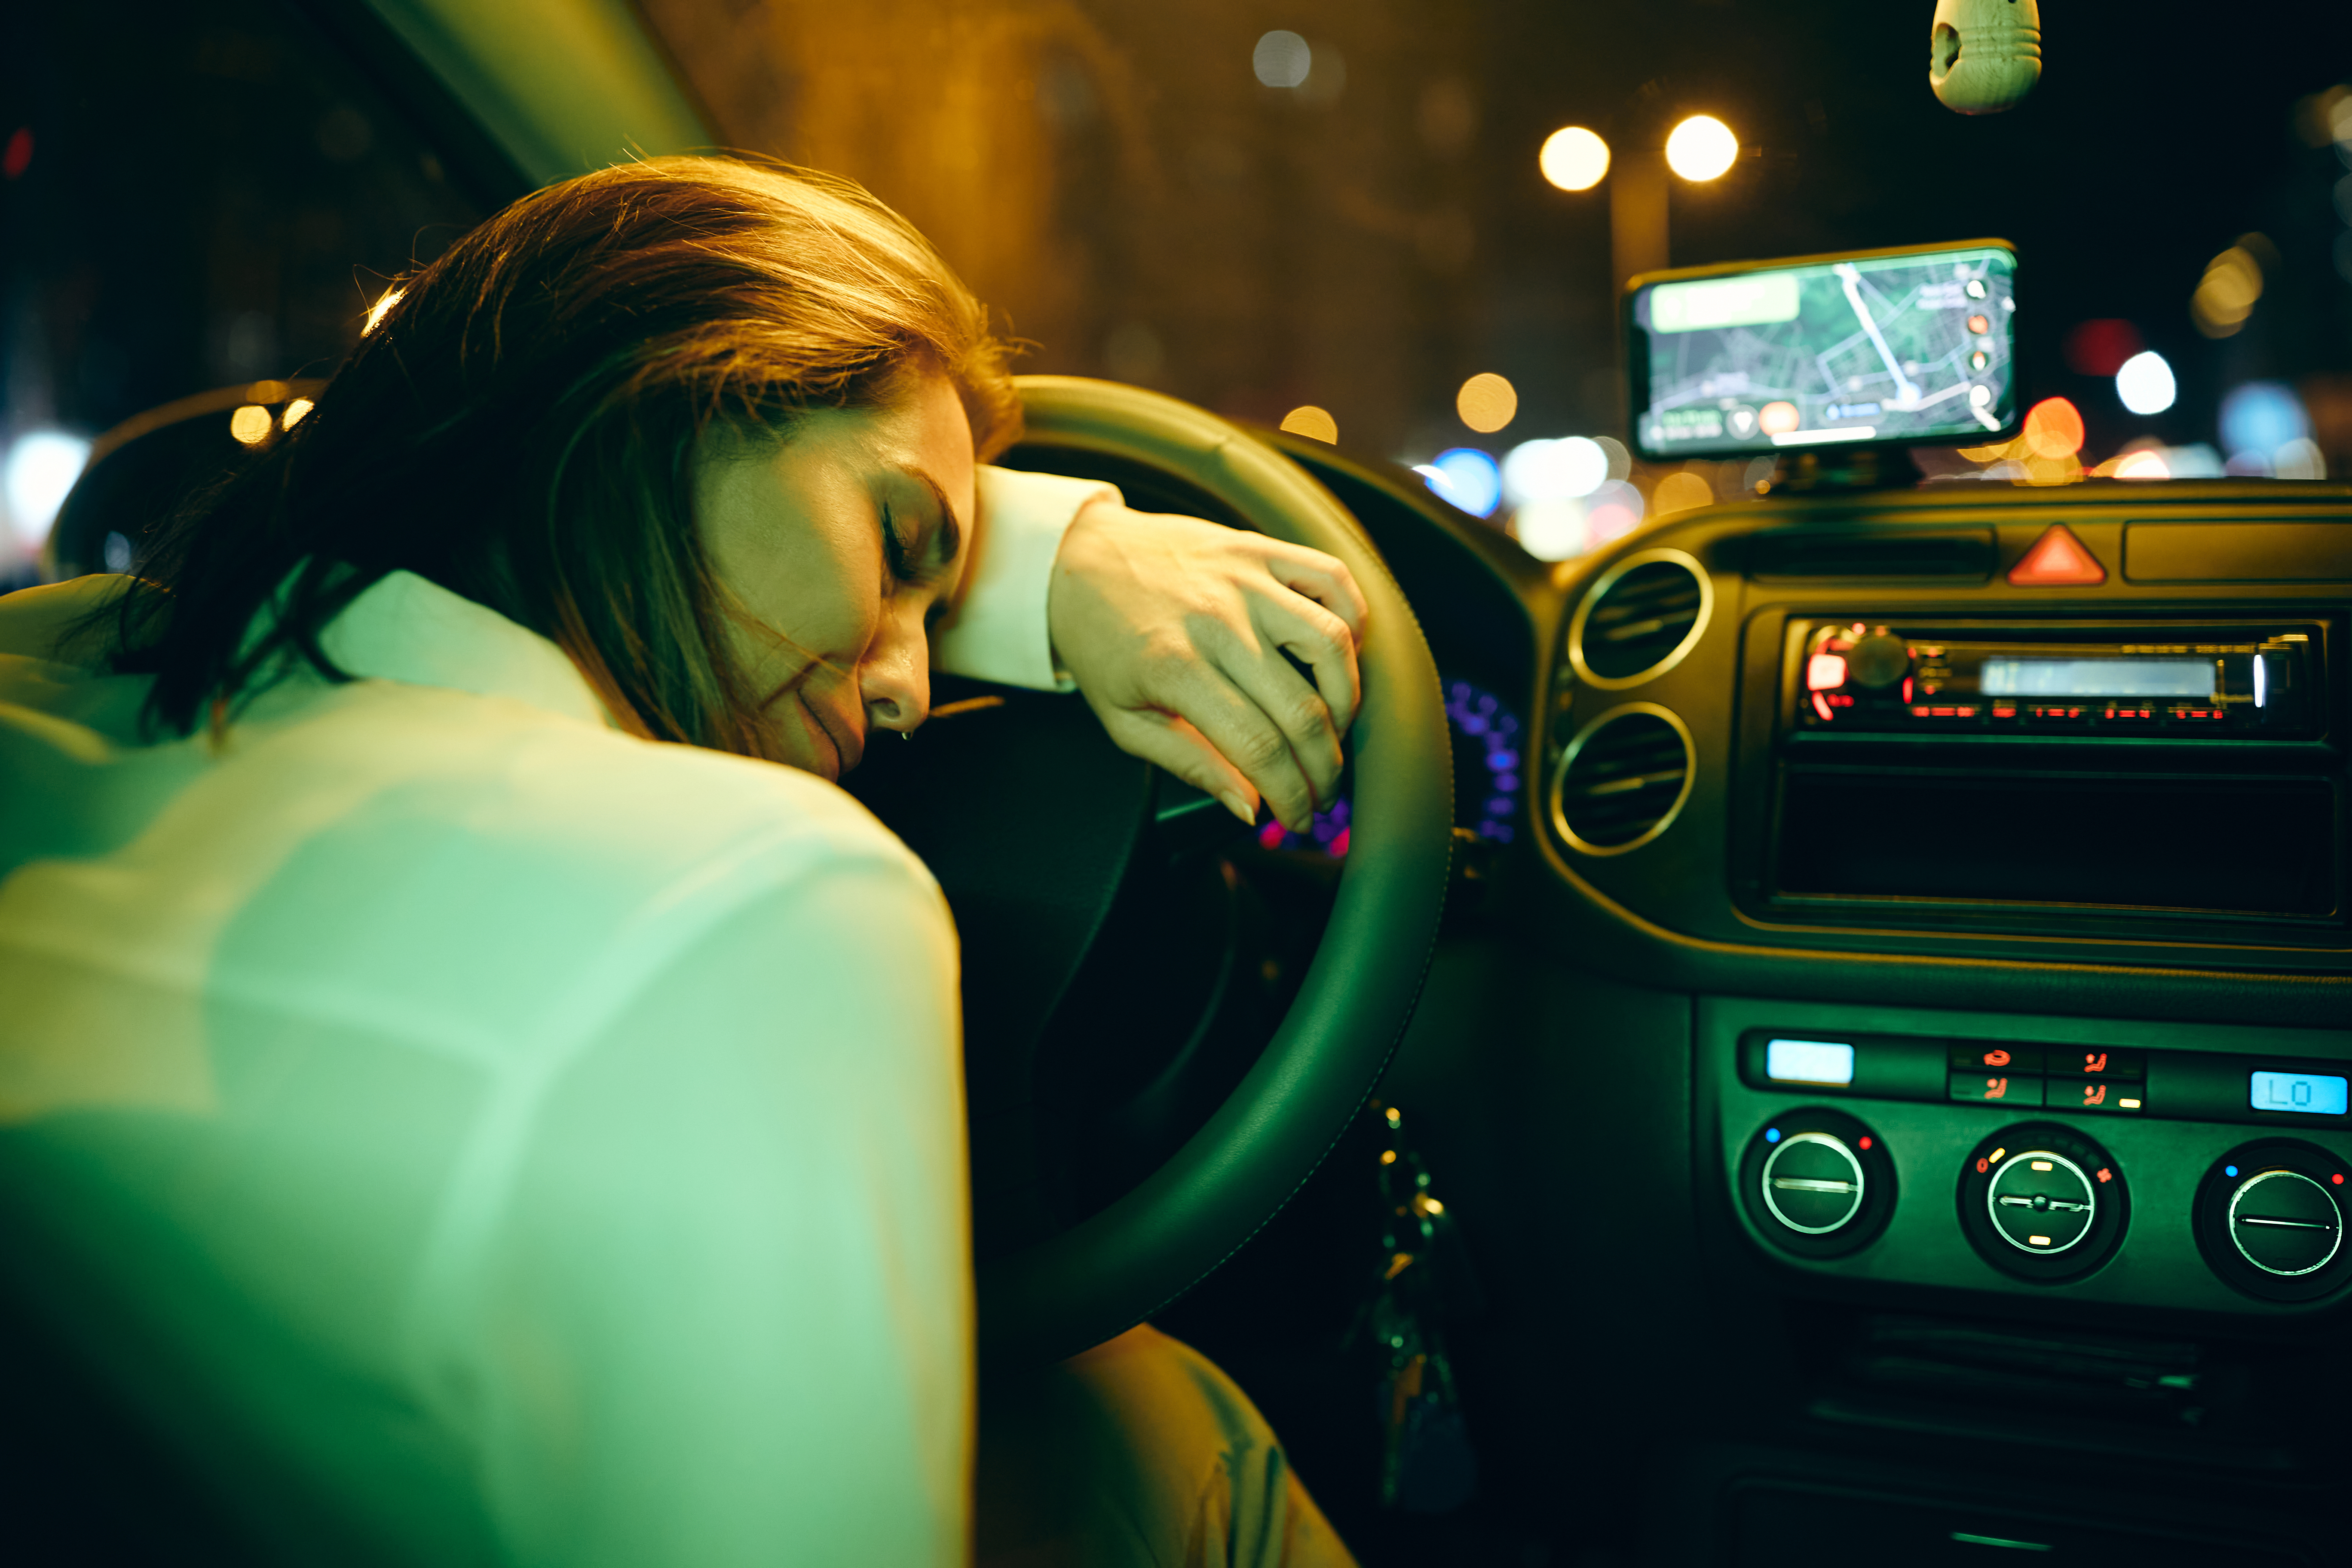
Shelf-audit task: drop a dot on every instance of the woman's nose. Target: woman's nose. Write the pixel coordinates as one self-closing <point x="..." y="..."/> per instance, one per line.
<point x="894" y="681"/>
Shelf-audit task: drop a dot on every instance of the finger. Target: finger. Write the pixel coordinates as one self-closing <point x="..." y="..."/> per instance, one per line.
<point x="1324" y="579"/>
<point x="1239" y="726"/>
<point x="1298" y="710"/>
<point x="1321" y="641"/>
<point x="1171" y="743"/>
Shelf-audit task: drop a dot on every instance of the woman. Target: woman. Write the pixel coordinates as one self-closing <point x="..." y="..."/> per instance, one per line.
<point x="474" y="1103"/>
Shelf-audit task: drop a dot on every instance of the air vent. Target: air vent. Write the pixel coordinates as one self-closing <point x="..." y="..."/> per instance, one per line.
<point x="1640" y="619"/>
<point x="1622" y="779"/>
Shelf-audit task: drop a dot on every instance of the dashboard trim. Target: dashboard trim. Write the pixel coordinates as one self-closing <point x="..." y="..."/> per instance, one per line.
<point x="1599" y="590"/>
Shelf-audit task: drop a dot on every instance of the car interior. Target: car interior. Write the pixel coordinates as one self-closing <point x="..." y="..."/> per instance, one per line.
<point x="1818" y="1030"/>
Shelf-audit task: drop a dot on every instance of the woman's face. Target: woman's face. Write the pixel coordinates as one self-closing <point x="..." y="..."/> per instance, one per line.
<point x="841" y="543"/>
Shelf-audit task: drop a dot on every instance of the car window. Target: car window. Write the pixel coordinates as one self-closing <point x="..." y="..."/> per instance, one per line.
<point x="1339" y="207"/>
<point x="195" y="195"/>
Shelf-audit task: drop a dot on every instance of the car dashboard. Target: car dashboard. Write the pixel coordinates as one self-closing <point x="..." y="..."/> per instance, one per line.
<point x="1889" y="1069"/>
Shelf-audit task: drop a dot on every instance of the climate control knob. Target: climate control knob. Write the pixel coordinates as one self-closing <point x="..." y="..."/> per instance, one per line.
<point x="2040" y="1202"/>
<point x="1817" y="1183"/>
<point x="2285" y="1224"/>
<point x="2270" y="1220"/>
<point x="1878" y="660"/>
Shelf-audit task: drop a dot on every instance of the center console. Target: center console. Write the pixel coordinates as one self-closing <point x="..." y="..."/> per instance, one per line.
<point x="2159" y="1165"/>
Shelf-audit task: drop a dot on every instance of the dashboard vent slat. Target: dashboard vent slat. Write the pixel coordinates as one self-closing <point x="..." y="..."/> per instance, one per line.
<point x="1622" y="779"/>
<point x="1640" y="619"/>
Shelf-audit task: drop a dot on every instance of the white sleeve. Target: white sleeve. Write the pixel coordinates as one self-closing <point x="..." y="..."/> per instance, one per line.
<point x="999" y="632"/>
<point x="727" y="1319"/>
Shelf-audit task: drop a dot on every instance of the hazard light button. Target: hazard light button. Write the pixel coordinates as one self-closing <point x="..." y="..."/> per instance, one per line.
<point x="2057" y="560"/>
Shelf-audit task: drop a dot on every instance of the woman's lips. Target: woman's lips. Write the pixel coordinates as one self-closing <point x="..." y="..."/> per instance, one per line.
<point x="848" y="747"/>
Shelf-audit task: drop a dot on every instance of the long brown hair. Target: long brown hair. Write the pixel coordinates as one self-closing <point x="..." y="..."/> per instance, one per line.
<point x="519" y="428"/>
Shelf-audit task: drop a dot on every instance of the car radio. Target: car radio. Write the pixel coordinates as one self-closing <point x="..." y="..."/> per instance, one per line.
<point x="2091" y="678"/>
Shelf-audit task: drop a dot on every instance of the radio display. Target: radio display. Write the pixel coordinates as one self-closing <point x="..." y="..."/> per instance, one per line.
<point x="2312" y="1093"/>
<point x="2000" y="677"/>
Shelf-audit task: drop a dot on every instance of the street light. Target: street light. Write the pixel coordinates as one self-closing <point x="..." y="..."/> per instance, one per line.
<point x="1701" y="148"/>
<point x="1574" y="159"/>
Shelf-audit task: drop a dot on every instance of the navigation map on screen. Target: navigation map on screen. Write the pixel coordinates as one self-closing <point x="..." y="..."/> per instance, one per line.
<point x="1884" y="349"/>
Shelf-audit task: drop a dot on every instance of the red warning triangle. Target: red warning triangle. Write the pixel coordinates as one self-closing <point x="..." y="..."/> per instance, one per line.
<point x="2057" y="560"/>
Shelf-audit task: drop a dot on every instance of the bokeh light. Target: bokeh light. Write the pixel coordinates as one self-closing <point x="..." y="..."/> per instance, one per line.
<point x="1550" y="530"/>
<point x="1701" y="148"/>
<point x="251" y="424"/>
<point x="2259" y="417"/>
<point x="1282" y="59"/>
<point x="1474" y="480"/>
<point x="1574" y="159"/>
<point x="1777" y="418"/>
<point x="2100" y="347"/>
<point x="41" y="467"/>
<point x="2145" y="383"/>
<point x="1680" y="492"/>
<point x="2226" y="294"/>
<point x="1486" y="402"/>
<point x="2054" y="429"/>
<point x="2142" y="465"/>
<point x="1545" y="470"/>
<point x="294" y="412"/>
<point x="1315" y="423"/>
<point x="2300" y="459"/>
<point x="1615" y="510"/>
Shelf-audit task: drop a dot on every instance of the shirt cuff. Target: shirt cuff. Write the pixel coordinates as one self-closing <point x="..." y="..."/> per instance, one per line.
<point x="999" y="632"/>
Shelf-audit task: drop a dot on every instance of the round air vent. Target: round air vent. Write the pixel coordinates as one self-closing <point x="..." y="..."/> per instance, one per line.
<point x="1640" y="619"/>
<point x="1622" y="779"/>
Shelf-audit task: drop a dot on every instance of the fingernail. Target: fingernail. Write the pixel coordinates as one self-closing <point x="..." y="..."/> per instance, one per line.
<point x="1240" y="805"/>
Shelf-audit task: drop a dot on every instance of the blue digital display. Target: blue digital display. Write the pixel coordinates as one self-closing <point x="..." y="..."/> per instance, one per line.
<point x="2312" y="1093"/>
<point x="1808" y="1061"/>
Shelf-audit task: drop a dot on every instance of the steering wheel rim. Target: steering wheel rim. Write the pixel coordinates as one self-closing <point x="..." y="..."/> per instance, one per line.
<point x="1119" y="1266"/>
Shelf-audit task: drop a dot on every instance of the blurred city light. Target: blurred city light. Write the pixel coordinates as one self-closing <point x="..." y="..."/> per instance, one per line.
<point x="1621" y="461"/>
<point x="2100" y="347"/>
<point x="2145" y="383"/>
<point x="1614" y="512"/>
<point x="2300" y="459"/>
<point x="1701" y="147"/>
<point x="1282" y="59"/>
<point x="2054" y="429"/>
<point x="1473" y="480"/>
<point x="2225" y="296"/>
<point x="2259" y="417"/>
<point x="1316" y="424"/>
<point x="1545" y="470"/>
<point x="251" y="424"/>
<point x="1777" y="418"/>
<point x="40" y="468"/>
<point x="1550" y="530"/>
<point x="1486" y="402"/>
<point x="1680" y="492"/>
<point x="1574" y="159"/>
<point x="294" y="412"/>
<point x="2141" y="465"/>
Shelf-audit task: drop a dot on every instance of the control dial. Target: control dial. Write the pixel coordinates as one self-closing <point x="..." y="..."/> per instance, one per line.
<point x="1817" y="1183"/>
<point x="2270" y="1220"/>
<point x="2041" y="1202"/>
<point x="1878" y="660"/>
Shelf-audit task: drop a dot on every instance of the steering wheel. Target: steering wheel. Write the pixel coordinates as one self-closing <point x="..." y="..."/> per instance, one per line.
<point x="1048" y="1290"/>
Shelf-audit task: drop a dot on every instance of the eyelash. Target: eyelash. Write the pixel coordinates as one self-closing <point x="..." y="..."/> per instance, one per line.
<point x="894" y="549"/>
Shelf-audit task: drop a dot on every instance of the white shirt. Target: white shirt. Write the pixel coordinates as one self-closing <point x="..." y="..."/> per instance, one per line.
<point x="475" y="1135"/>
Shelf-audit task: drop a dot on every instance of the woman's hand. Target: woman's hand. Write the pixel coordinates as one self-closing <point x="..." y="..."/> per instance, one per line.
<point x="1175" y="631"/>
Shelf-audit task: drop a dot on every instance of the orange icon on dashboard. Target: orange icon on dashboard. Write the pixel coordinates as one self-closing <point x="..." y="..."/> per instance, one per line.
<point x="1996" y="1059"/>
<point x="1996" y="1087"/>
<point x="2094" y="1061"/>
<point x="2094" y="1094"/>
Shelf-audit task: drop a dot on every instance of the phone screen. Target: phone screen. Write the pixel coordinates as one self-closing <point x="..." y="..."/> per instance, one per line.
<point x="1886" y="348"/>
